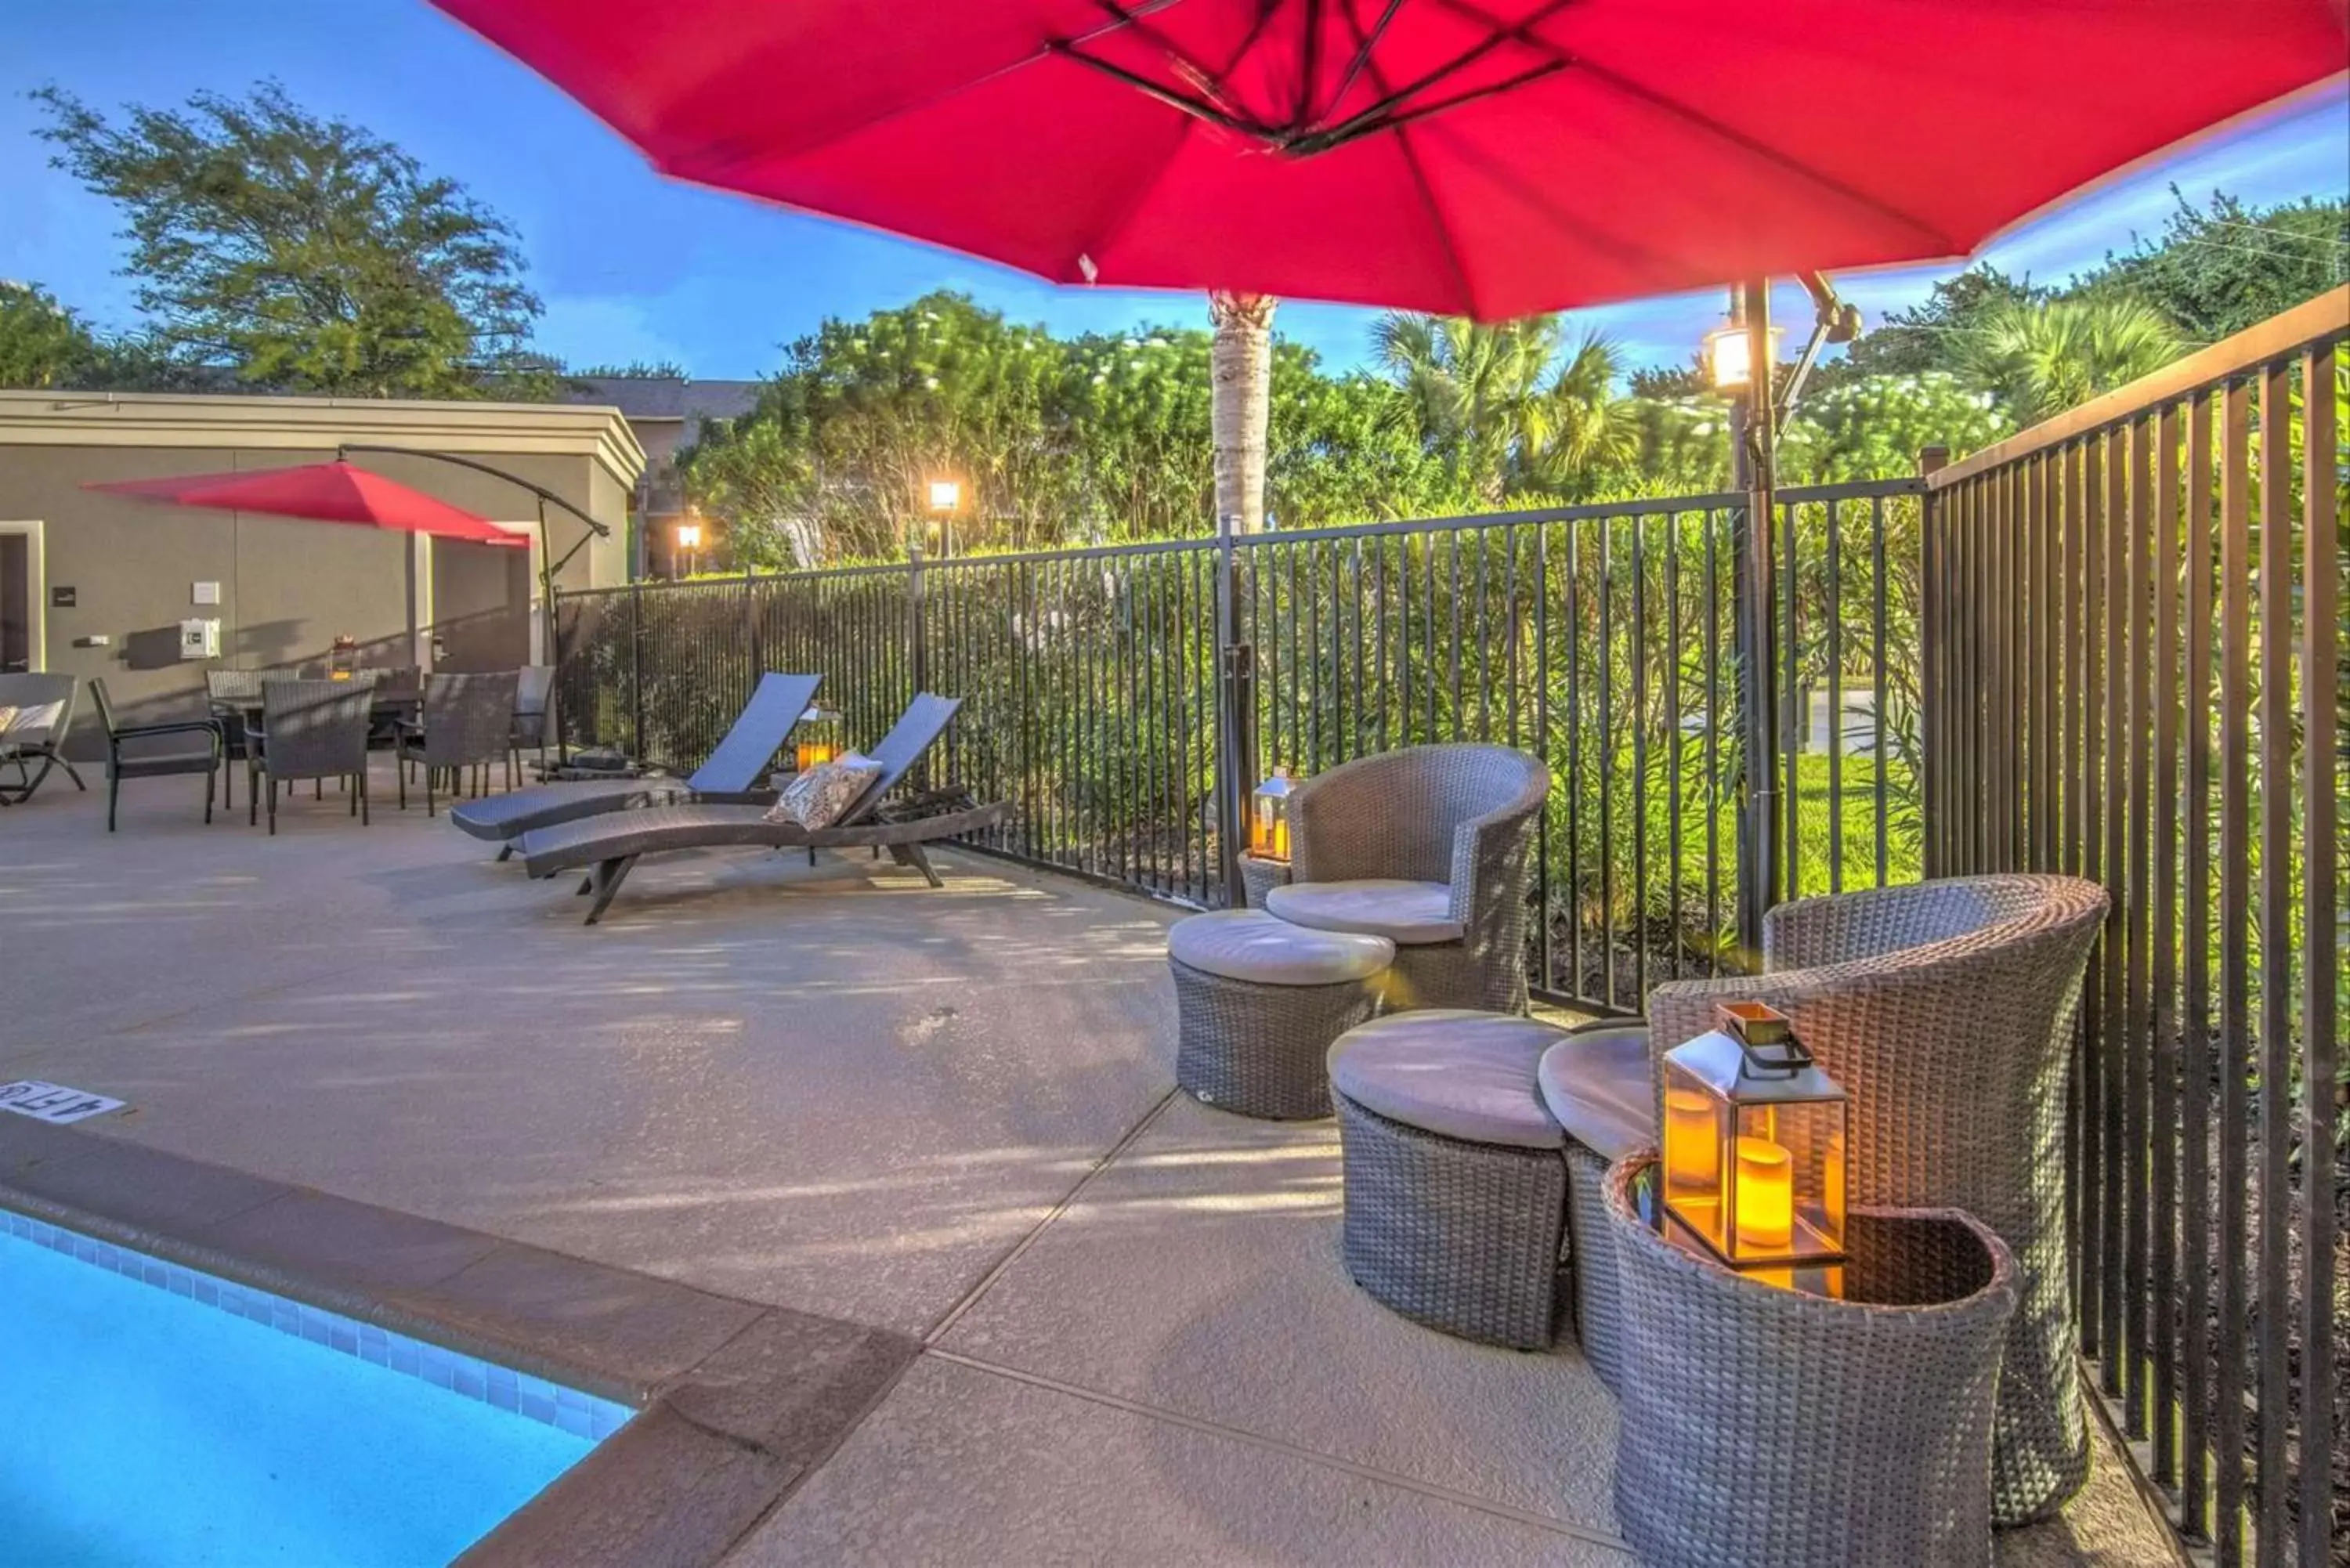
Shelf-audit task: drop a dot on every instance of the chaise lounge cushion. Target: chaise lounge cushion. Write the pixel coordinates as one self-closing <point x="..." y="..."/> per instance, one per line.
<point x="498" y="817"/>
<point x="1251" y="945"/>
<point x="1409" y="914"/>
<point x="1597" y="1083"/>
<point x="1452" y="1072"/>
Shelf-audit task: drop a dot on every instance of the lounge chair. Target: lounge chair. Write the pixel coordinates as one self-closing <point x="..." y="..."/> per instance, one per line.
<point x="44" y="708"/>
<point x="735" y="771"/>
<point x="610" y="846"/>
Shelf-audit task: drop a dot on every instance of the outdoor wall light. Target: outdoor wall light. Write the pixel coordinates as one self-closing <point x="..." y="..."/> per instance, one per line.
<point x="1269" y="819"/>
<point x="689" y="536"/>
<point x="1756" y="1162"/>
<point x="945" y="494"/>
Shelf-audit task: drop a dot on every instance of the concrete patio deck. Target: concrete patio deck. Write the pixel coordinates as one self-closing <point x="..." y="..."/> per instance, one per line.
<point x="948" y="1114"/>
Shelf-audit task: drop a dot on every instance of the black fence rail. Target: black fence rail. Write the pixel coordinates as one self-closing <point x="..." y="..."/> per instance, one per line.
<point x="1125" y="700"/>
<point x="2137" y="674"/>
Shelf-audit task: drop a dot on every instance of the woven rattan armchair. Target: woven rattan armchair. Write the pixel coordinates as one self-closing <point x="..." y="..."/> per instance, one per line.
<point x="1945" y="1010"/>
<point x="310" y="730"/>
<point x="1460" y="814"/>
<point x="468" y="723"/>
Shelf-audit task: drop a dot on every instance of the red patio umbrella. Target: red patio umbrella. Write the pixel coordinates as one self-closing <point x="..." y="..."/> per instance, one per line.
<point x="1488" y="157"/>
<point x="336" y="492"/>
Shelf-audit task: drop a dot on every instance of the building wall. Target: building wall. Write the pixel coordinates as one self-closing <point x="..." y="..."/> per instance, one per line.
<point x="287" y="587"/>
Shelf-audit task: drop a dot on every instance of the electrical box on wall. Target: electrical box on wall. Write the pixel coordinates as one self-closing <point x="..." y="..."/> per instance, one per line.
<point x="199" y="639"/>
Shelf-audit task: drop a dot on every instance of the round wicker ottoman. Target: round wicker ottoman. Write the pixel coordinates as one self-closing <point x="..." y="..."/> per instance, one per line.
<point x="1261" y="876"/>
<point x="1455" y="1196"/>
<point x="1768" y="1428"/>
<point x="1258" y="1001"/>
<point x="1597" y="1083"/>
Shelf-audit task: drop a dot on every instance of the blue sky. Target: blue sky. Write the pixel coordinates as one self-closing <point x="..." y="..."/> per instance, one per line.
<point x="632" y="267"/>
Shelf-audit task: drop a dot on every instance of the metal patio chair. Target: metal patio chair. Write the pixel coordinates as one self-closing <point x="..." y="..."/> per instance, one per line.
<point x="35" y="733"/>
<point x="124" y="761"/>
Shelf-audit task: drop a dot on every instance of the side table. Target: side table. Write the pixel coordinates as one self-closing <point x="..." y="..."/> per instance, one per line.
<point x="1776" y="1429"/>
<point x="1262" y="876"/>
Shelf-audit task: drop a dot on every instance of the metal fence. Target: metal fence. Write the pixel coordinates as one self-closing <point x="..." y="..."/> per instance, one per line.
<point x="1125" y="700"/>
<point x="2136" y="674"/>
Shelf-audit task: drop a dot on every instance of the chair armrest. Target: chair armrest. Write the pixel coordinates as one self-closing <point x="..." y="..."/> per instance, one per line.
<point x="175" y="727"/>
<point x="1489" y="845"/>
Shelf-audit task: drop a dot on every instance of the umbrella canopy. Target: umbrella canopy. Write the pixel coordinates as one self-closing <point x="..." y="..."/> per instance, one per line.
<point x="334" y="492"/>
<point x="1488" y="157"/>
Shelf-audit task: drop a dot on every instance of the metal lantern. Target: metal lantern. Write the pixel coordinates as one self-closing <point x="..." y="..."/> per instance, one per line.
<point x="1757" y="1158"/>
<point x="1269" y="821"/>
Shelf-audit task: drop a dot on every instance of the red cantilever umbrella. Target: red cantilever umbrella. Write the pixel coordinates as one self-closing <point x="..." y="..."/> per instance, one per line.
<point x="1481" y="157"/>
<point x="334" y="492"/>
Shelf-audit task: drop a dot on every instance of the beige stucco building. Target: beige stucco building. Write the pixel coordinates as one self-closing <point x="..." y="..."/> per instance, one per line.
<point x="98" y="585"/>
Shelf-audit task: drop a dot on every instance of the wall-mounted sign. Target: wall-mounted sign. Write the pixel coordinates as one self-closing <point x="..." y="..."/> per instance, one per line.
<point x="207" y="594"/>
<point x="61" y="596"/>
<point x="53" y="1101"/>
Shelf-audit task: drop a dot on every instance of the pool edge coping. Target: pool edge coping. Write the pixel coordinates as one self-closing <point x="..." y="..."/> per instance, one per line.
<point x="736" y="1401"/>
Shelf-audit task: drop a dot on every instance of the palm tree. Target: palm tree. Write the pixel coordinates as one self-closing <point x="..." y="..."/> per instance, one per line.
<point x="1508" y="406"/>
<point x="1242" y="370"/>
<point x="2045" y="356"/>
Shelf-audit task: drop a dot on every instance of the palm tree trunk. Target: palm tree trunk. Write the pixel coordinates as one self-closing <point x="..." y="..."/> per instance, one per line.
<point x="1241" y="368"/>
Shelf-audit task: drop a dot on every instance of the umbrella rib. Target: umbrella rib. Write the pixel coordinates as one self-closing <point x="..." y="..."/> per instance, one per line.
<point x="1523" y="33"/>
<point x="1418" y="174"/>
<point x="1199" y="107"/>
<point x="1211" y="83"/>
<point x="1364" y="42"/>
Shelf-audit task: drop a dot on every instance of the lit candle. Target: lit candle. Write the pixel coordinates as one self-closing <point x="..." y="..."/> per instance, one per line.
<point x="1692" y="1161"/>
<point x="1767" y="1195"/>
<point x="1278" y="840"/>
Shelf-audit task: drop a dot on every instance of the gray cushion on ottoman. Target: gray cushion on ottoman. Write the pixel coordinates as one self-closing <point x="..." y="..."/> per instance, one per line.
<point x="1597" y="1083"/>
<point x="1463" y="1074"/>
<point x="1251" y="945"/>
<point x="1411" y="913"/>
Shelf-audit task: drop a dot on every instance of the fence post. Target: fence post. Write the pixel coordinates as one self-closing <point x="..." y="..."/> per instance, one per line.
<point x="637" y="669"/>
<point x="1931" y="608"/>
<point x="917" y="640"/>
<point x="1235" y="717"/>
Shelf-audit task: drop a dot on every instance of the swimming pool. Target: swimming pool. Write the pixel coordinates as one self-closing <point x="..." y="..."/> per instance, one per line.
<point x="151" y="1415"/>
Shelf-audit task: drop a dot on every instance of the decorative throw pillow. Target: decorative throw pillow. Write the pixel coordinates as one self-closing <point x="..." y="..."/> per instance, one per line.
<point x="817" y="797"/>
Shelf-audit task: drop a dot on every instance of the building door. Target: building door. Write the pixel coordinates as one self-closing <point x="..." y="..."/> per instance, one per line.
<point x="20" y="598"/>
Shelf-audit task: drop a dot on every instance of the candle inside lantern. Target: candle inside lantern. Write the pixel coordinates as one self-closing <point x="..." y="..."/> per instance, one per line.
<point x="1692" y="1158"/>
<point x="1767" y="1195"/>
<point x="1277" y="840"/>
<point x="813" y="754"/>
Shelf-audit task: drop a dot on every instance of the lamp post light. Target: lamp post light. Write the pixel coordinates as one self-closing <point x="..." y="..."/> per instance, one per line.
<point x="1739" y="362"/>
<point x="689" y="540"/>
<point x="946" y="498"/>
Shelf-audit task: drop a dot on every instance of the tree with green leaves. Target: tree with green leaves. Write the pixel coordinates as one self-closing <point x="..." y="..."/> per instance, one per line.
<point x="1510" y="407"/>
<point x="43" y="343"/>
<point x="304" y="254"/>
<point x="2040" y="358"/>
<point x="2219" y="269"/>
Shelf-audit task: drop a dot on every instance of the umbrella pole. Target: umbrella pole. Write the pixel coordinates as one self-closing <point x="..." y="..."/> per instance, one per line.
<point x="1755" y="457"/>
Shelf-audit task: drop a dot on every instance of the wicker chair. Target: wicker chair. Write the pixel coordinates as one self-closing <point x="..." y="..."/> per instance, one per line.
<point x="1771" y="1428"/>
<point x="468" y="723"/>
<point x="534" y="718"/>
<point x="1457" y="820"/>
<point x="1945" y="1010"/>
<point x="226" y="690"/>
<point x="310" y="730"/>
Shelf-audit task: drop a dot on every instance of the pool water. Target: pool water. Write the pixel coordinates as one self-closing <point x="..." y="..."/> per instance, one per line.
<point x="144" y="1424"/>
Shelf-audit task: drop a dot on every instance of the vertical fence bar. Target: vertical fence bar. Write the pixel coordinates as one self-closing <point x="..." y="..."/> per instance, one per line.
<point x="2235" y="900"/>
<point x="2195" y="1017"/>
<point x="2276" y="1053"/>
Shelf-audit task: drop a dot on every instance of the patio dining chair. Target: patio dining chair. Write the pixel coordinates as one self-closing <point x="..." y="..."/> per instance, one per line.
<point x="1946" y="1011"/>
<point x="467" y="723"/>
<point x="127" y="758"/>
<point x="534" y="718"/>
<point x="42" y="708"/>
<point x="310" y="730"/>
<point x="1426" y="845"/>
